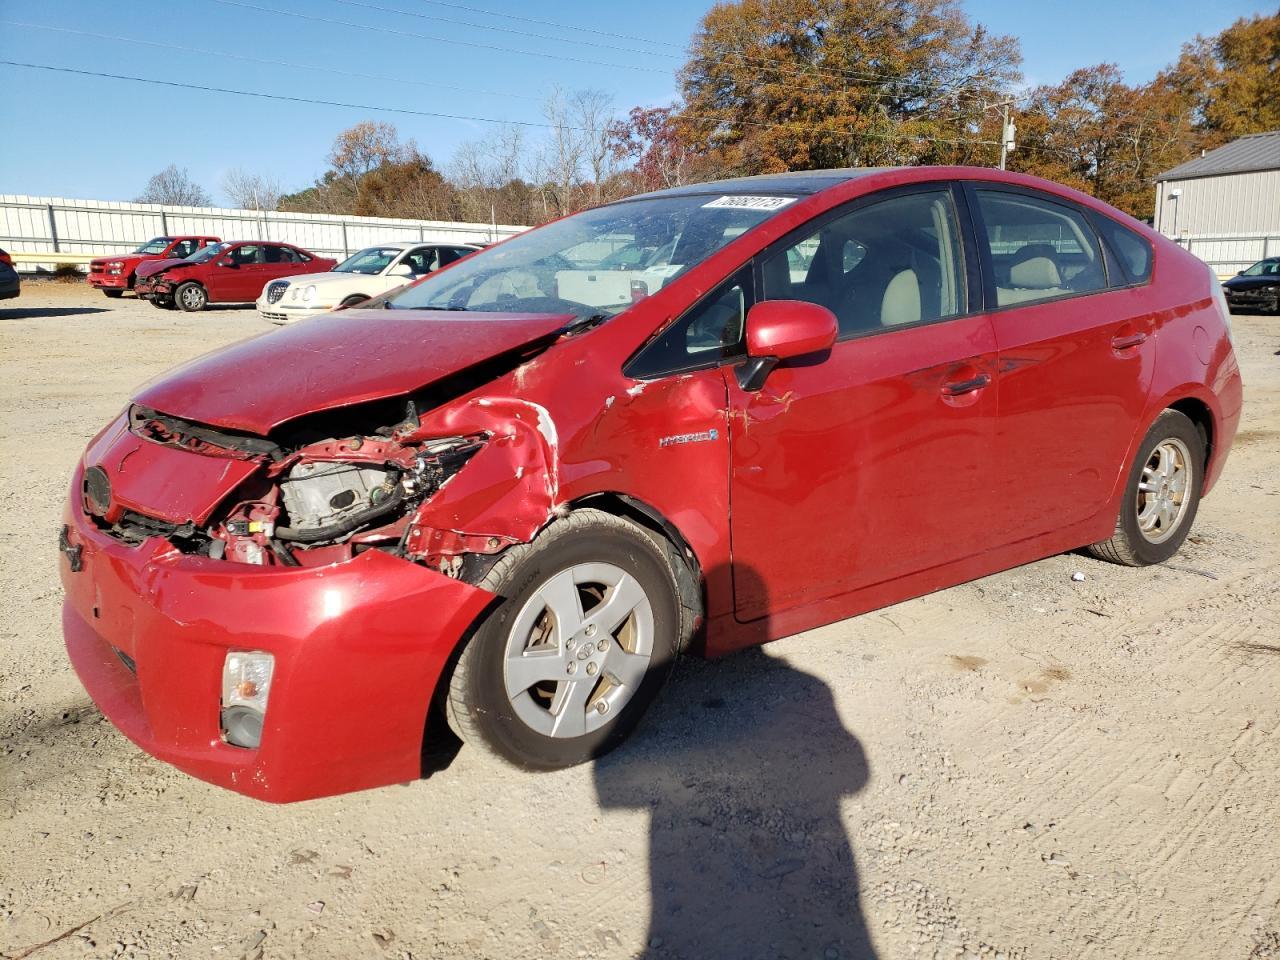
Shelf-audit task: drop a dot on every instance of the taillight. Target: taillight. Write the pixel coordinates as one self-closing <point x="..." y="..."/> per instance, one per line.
<point x="639" y="290"/>
<point x="5" y="258"/>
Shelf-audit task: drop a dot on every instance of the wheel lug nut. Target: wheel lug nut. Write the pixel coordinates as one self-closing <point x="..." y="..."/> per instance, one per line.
<point x="591" y="669"/>
<point x="602" y="646"/>
<point x="591" y="630"/>
<point x="570" y="643"/>
<point x="602" y="707"/>
<point x="573" y="668"/>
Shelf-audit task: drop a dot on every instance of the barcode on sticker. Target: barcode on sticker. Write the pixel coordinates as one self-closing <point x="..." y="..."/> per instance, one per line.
<point x="751" y="203"/>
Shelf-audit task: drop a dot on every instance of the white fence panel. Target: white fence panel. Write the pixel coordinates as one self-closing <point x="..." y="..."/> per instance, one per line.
<point x="81" y="228"/>
<point x="1231" y="253"/>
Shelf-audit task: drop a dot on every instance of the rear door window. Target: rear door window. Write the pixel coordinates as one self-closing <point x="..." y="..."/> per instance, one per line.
<point x="1038" y="249"/>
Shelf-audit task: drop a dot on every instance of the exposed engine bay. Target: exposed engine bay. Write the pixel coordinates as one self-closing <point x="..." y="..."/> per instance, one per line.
<point x="318" y="501"/>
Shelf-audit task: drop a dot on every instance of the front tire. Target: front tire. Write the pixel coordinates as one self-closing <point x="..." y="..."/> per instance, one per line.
<point x="593" y="616"/>
<point x="113" y="294"/>
<point x="1161" y="496"/>
<point x="191" y="297"/>
<point x="352" y="301"/>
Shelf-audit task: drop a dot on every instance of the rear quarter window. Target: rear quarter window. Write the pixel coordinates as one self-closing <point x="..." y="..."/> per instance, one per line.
<point x="1131" y="249"/>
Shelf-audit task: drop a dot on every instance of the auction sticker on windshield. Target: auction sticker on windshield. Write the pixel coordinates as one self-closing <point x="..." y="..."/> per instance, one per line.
<point x="751" y="203"/>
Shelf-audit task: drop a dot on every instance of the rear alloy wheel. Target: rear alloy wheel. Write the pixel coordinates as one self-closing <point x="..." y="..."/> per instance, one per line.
<point x="114" y="294"/>
<point x="1161" y="496"/>
<point x="191" y="297"/>
<point x="562" y="670"/>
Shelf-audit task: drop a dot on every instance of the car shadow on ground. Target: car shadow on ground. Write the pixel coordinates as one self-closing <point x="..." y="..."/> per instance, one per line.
<point x="742" y="766"/>
<point x="26" y="313"/>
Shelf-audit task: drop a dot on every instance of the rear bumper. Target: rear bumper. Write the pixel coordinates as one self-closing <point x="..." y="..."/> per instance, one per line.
<point x="10" y="286"/>
<point x="359" y="648"/>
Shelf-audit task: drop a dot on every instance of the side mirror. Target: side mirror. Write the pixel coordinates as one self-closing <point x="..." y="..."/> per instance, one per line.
<point x="227" y="262"/>
<point x="1239" y="273"/>
<point x="780" y="330"/>
<point x="402" y="270"/>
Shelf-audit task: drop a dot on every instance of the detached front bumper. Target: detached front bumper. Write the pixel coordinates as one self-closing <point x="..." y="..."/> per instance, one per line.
<point x="359" y="648"/>
<point x="109" y="281"/>
<point x="1253" y="300"/>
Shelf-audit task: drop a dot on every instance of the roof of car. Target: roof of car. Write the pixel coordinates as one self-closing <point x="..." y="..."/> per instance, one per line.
<point x="802" y="182"/>
<point x="1258" y="151"/>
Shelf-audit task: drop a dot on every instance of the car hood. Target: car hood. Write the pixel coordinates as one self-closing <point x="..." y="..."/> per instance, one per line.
<point x="337" y="360"/>
<point x="1251" y="283"/>
<point x="151" y="267"/>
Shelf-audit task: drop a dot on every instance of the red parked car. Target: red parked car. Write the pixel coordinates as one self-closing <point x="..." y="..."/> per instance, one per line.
<point x="231" y="272"/>
<point x="114" y="275"/>
<point x="486" y="505"/>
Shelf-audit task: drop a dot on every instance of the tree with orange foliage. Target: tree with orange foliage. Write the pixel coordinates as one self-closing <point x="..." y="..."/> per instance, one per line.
<point x="776" y="85"/>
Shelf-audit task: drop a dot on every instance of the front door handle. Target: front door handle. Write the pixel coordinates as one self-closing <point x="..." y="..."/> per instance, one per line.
<point x="1128" y="341"/>
<point x="960" y="387"/>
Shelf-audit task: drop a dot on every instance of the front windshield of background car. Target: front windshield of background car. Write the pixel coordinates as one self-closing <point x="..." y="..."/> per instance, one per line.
<point x="158" y="245"/>
<point x="1263" y="268"/>
<point x="594" y="263"/>
<point x="370" y="261"/>
<point x="208" y="253"/>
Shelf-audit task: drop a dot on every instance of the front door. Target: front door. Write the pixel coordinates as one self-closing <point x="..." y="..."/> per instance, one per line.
<point x="877" y="460"/>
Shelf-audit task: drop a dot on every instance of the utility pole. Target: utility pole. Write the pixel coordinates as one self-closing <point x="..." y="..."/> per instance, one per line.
<point x="1008" y="133"/>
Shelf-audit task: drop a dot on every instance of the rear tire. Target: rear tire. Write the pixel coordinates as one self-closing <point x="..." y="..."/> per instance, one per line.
<point x="1161" y="495"/>
<point x="114" y="294"/>
<point x="191" y="297"/>
<point x="549" y="679"/>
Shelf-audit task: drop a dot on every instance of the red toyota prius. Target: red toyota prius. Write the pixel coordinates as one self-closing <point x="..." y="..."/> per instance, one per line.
<point x="506" y="497"/>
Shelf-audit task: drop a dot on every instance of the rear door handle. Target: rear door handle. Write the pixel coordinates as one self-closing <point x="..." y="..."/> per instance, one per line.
<point x="1128" y="341"/>
<point x="961" y="387"/>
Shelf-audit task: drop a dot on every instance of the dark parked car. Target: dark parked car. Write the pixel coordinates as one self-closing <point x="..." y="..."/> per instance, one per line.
<point x="230" y="272"/>
<point x="484" y="504"/>
<point x="10" y="284"/>
<point x="1257" y="288"/>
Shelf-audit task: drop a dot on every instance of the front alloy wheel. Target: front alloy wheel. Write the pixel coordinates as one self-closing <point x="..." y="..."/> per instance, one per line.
<point x="578" y="650"/>
<point x="595" y="610"/>
<point x="191" y="297"/>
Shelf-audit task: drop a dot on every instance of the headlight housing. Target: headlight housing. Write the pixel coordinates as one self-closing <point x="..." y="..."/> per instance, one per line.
<point x="308" y="293"/>
<point x="246" y="686"/>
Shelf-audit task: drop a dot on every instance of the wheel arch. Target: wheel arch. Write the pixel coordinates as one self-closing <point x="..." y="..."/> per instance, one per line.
<point x="690" y="582"/>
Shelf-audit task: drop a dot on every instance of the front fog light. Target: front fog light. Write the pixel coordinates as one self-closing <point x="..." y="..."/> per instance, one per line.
<point x="246" y="684"/>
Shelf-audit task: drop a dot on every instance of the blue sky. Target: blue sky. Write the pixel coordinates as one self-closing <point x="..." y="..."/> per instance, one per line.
<point x="76" y="136"/>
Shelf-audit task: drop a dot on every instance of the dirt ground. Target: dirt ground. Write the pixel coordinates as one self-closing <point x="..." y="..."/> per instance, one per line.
<point x="1027" y="766"/>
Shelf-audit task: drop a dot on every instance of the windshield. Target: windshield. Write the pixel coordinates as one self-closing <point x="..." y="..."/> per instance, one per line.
<point x="158" y="245"/>
<point x="208" y="253"/>
<point x="370" y="261"/>
<point x="1263" y="268"/>
<point x="594" y="263"/>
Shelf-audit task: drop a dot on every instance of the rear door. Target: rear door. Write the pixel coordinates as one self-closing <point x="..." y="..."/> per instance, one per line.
<point x="877" y="460"/>
<point x="1076" y="360"/>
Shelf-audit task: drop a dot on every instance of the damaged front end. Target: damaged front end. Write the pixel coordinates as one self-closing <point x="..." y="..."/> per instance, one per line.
<point x="450" y="491"/>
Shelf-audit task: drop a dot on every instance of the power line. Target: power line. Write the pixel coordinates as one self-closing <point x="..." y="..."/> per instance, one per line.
<point x="477" y="119"/>
<point x="449" y="40"/>
<point x="293" y="65"/>
<point x="785" y="69"/>
<point x="516" y="30"/>
<point x="275" y="96"/>
<point x="549" y="23"/>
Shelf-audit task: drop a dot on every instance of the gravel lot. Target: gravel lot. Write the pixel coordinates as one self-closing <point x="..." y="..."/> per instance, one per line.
<point x="1026" y="766"/>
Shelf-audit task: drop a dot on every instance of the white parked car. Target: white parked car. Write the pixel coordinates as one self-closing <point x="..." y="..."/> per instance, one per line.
<point x="362" y="276"/>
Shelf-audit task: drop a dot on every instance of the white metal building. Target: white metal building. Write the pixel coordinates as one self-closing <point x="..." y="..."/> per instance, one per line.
<point x="1224" y="206"/>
